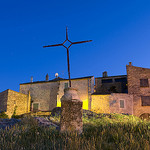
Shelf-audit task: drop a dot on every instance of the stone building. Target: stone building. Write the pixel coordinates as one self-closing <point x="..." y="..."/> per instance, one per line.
<point x="123" y="94"/>
<point x="46" y="95"/>
<point x="111" y="84"/>
<point x="128" y="94"/>
<point x="11" y="100"/>
<point x="139" y="87"/>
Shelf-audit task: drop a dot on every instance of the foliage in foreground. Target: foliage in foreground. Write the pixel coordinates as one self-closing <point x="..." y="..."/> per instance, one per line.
<point x="117" y="132"/>
<point x="3" y="115"/>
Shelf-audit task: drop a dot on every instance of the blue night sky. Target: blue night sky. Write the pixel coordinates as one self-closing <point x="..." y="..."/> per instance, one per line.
<point x="120" y="30"/>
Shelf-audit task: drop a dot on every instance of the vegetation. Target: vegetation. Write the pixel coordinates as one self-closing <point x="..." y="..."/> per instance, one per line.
<point x="105" y="132"/>
<point x="3" y="115"/>
<point x="14" y="114"/>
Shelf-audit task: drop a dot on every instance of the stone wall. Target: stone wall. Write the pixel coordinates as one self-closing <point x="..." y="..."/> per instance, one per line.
<point x="18" y="100"/>
<point x="84" y="87"/>
<point x="114" y="103"/>
<point x="3" y="100"/>
<point x="105" y="88"/>
<point x="100" y="103"/>
<point x="111" y="103"/>
<point x="45" y="94"/>
<point x="48" y="94"/>
<point x="134" y="74"/>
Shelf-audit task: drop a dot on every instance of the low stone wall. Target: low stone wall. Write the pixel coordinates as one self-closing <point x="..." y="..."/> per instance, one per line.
<point x="18" y="101"/>
<point x="41" y="113"/>
<point x="100" y="103"/>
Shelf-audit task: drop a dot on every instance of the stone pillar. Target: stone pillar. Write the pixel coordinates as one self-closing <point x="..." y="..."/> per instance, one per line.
<point x="71" y="111"/>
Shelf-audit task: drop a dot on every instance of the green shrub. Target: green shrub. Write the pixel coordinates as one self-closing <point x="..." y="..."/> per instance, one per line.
<point x="3" y="115"/>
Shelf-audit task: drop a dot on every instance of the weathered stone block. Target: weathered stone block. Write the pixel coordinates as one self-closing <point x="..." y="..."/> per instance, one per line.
<point x="71" y="112"/>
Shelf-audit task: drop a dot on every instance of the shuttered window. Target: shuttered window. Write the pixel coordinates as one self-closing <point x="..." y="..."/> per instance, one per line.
<point x="144" y="83"/>
<point x="145" y="100"/>
<point x="121" y="103"/>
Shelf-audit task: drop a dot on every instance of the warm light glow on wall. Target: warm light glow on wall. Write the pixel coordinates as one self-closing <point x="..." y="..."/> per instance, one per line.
<point x="100" y="103"/>
<point x="58" y="104"/>
<point x="85" y="104"/>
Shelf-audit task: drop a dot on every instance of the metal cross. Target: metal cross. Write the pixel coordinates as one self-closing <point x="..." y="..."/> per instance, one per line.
<point x="71" y="43"/>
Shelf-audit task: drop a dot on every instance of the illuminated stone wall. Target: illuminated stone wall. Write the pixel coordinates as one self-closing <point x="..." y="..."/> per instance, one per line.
<point x="84" y="88"/>
<point x="18" y="100"/>
<point x="48" y="94"/>
<point x="111" y="103"/>
<point x="134" y="74"/>
<point x="10" y="99"/>
<point x="100" y="103"/>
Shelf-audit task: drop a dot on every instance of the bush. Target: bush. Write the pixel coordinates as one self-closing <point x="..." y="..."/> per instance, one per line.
<point x="3" y="115"/>
<point x="14" y="113"/>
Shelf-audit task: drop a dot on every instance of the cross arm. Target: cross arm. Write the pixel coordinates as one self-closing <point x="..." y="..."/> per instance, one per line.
<point x="81" y="42"/>
<point x="53" y="45"/>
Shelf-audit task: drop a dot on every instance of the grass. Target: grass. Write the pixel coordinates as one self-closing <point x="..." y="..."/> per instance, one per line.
<point x="118" y="132"/>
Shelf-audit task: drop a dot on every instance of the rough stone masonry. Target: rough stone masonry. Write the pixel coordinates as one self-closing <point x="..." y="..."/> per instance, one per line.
<point x="71" y="112"/>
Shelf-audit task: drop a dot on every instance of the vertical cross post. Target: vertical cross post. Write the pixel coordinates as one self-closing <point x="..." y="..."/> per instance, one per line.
<point x="68" y="67"/>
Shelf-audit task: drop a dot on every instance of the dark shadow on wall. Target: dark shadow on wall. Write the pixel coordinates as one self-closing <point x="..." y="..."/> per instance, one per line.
<point x="53" y="95"/>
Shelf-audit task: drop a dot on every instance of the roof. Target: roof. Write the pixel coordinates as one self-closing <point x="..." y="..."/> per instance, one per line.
<point x="57" y="79"/>
<point x="119" y="76"/>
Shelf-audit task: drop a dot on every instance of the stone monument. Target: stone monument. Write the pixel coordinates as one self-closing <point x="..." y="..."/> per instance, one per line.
<point x="71" y="105"/>
<point x="71" y="112"/>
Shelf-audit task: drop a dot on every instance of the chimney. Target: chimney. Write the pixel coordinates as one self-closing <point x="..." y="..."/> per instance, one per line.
<point x="31" y="79"/>
<point x="47" y="77"/>
<point x="105" y="74"/>
<point x="130" y="63"/>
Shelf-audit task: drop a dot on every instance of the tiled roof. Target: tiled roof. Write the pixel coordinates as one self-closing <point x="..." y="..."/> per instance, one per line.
<point x="57" y="79"/>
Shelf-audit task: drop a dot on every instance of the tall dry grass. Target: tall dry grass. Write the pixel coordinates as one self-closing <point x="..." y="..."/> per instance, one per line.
<point x="120" y="132"/>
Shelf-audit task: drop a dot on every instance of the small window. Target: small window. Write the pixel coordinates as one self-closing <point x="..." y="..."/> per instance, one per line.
<point x="121" y="103"/>
<point x="66" y="85"/>
<point x="35" y="107"/>
<point x="145" y="100"/>
<point x="144" y="83"/>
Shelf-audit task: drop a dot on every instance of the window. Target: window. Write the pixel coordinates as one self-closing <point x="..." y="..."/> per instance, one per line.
<point x="121" y="103"/>
<point x="145" y="100"/>
<point x="35" y="106"/>
<point x="107" y="81"/>
<point x="121" y="80"/>
<point x="144" y="83"/>
<point x="66" y="85"/>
